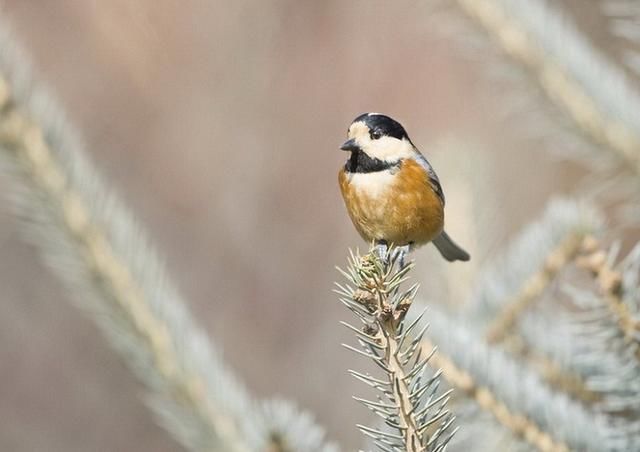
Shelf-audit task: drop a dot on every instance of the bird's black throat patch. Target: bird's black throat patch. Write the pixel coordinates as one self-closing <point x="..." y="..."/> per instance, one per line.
<point x="360" y="162"/>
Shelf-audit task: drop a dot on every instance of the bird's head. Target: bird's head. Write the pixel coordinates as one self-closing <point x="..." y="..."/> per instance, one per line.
<point x="380" y="137"/>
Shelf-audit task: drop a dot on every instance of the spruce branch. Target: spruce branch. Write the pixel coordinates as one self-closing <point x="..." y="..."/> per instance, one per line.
<point x="93" y="245"/>
<point x="622" y="20"/>
<point x="550" y="245"/>
<point x="34" y="166"/>
<point x="503" y="328"/>
<point x="559" y="378"/>
<point x="506" y="279"/>
<point x="609" y="281"/>
<point x="569" y="71"/>
<point x="516" y="397"/>
<point x="566" y="354"/>
<point x="591" y="339"/>
<point x="534" y="286"/>
<point x="287" y="429"/>
<point x="519" y="425"/>
<point x="603" y="340"/>
<point x="409" y="404"/>
<point x="583" y="345"/>
<point x="513" y="342"/>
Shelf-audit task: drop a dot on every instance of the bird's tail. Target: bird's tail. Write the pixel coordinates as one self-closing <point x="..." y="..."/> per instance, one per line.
<point x="449" y="250"/>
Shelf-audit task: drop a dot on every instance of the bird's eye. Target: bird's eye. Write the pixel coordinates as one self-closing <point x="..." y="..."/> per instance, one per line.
<point x="375" y="134"/>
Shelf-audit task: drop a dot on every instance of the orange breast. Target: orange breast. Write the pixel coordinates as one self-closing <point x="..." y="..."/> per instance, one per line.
<point x="400" y="208"/>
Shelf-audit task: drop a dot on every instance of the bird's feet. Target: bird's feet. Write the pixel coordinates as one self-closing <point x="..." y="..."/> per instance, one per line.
<point x="400" y="254"/>
<point x="383" y="251"/>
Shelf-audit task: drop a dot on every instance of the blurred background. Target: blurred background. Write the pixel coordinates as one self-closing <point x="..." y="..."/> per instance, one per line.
<point x="219" y="124"/>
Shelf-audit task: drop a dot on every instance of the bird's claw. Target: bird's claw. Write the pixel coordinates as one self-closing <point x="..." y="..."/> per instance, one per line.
<point x="383" y="252"/>
<point x="400" y="254"/>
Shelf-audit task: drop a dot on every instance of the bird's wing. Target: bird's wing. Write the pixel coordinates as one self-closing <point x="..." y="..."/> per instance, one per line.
<point x="433" y="177"/>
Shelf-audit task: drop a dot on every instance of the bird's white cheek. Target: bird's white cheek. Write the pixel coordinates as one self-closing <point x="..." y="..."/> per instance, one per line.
<point x="390" y="149"/>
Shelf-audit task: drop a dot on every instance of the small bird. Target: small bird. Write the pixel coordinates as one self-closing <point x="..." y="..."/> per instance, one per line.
<point x="391" y="192"/>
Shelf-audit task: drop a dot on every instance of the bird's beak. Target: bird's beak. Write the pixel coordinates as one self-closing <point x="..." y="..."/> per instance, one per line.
<point x="350" y="145"/>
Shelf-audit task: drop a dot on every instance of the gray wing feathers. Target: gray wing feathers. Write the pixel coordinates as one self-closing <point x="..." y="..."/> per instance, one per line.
<point x="433" y="177"/>
<point x="449" y="250"/>
<point x="447" y="247"/>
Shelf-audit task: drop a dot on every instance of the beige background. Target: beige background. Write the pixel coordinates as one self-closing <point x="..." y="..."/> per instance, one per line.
<point x="219" y="123"/>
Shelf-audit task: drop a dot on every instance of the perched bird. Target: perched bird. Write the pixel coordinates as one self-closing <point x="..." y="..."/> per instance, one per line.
<point x="391" y="192"/>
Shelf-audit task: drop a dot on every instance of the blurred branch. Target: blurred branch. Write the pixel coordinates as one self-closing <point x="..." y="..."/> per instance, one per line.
<point x="523" y="263"/>
<point x="624" y="23"/>
<point x="515" y="396"/>
<point x="534" y="287"/>
<point x="287" y="429"/>
<point x="503" y="328"/>
<point x="577" y="344"/>
<point x="36" y="167"/>
<point x="561" y="379"/>
<point x="38" y="171"/>
<point x="516" y="423"/>
<point x="610" y="285"/>
<point x="92" y="243"/>
<point x="539" y="343"/>
<point x="590" y="90"/>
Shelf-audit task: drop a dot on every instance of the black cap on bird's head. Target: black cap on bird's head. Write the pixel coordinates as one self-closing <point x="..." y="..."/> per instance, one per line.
<point x="379" y="136"/>
<point x="382" y="125"/>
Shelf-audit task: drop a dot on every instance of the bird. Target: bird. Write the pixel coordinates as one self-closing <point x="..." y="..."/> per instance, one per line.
<point x="392" y="193"/>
